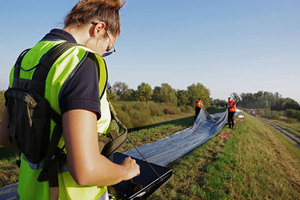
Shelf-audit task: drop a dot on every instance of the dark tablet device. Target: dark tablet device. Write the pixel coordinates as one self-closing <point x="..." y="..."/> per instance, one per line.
<point x="146" y="183"/>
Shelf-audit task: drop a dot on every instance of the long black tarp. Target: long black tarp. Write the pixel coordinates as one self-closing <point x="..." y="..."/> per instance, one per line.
<point x="170" y="148"/>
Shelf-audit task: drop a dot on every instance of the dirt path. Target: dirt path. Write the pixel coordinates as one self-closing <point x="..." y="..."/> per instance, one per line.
<point x="293" y="138"/>
<point x="285" y="165"/>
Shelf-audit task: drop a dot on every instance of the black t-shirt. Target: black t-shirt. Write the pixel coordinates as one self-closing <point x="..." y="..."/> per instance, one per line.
<point x="82" y="90"/>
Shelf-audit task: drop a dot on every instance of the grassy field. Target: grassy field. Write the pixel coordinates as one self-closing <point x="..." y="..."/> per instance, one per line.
<point x="254" y="163"/>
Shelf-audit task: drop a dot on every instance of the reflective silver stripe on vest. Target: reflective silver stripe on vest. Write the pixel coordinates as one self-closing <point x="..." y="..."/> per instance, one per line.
<point x="40" y="165"/>
<point x="33" y="166"/>
<point x="104" y="196"/>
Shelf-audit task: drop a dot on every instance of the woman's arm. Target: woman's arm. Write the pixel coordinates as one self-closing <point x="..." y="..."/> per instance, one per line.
<point x="4" y="130"/>
<point x="86" y="164"/>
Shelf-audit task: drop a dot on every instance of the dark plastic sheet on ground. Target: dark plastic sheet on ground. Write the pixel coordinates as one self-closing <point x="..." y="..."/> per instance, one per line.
<point x="176" y="145"/>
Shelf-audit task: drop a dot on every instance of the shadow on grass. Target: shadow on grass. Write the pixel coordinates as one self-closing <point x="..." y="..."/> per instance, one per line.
<point x="213" y="110"/>
<point x="186" y="121"/>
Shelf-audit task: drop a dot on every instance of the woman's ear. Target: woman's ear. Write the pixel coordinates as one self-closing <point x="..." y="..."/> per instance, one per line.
<point x="98" y="29"/>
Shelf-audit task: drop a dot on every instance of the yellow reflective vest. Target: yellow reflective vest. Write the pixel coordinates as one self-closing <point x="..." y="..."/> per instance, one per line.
<point x="61" y="70"/>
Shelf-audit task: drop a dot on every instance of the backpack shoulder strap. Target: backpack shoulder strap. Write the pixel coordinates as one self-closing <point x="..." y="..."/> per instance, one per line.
<point x="18" y="63"/>
<point x="45" y="65"/>
<point x="118" y="133"/>
<point x="49" y="171"/>
<point x="48" y="60"/>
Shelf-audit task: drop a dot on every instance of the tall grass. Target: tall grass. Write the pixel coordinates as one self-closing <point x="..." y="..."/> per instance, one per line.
<point x="289" y="115"/>
<point x="267" y="113"/>
<point x="136" y="114"/>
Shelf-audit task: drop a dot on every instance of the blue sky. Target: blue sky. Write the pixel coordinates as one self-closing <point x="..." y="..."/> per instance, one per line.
<point x="228" y="46"/>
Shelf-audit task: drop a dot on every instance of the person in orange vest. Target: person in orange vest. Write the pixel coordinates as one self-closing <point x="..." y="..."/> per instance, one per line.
<point x="231" y="106"/>
<point x="198" y="106"/>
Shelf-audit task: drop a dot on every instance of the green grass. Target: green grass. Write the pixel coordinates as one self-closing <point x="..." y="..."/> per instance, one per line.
<point x="253" y="163"/>
<point x="8" y="169"/>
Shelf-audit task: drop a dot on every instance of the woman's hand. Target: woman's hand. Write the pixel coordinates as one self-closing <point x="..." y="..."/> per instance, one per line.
<point x="86" y="165"/>
<point x="133" y="169"/>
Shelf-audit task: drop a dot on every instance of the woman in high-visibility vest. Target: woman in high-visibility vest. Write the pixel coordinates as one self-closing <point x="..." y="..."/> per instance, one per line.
<point x="73" y="90"/>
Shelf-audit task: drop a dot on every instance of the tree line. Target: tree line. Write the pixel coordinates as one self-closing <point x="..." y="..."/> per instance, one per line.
<point x="264" y="99"/>
<point x="161" y="94"/>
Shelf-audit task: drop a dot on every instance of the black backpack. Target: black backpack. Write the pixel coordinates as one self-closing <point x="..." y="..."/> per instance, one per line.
<point x="30" y="114"/>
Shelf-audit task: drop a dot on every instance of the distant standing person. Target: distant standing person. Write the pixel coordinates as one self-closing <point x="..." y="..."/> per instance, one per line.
<point x="231" y="106"/>
<point x="198" y="106"/>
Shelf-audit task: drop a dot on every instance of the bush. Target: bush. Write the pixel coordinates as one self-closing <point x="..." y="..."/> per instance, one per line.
<point x="267" y="113"/>
<point x="171" y="110"/>
<point x="155" y="109"/>
<point x="125" y="107"/>
<point x="291" y="120"/>
<point x="291" y="113"/>
<point x="125" y="118"/>
<point x="261" y="112"/>
<point x="186" y="109"/>
<point x="141" y="107"/>
<point x="133" y="114"/>
<point x="275" y="116"/>
<point x="138" y="118"/>
<point x="136" y="114"/>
